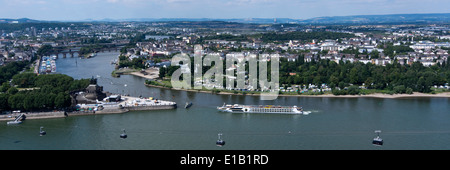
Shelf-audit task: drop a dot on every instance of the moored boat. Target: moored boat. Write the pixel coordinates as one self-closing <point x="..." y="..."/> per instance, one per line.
<point x="13" y="122"/>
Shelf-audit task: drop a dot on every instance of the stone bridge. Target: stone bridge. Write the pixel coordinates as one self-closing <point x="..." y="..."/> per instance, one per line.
<point x="76" y="50"/>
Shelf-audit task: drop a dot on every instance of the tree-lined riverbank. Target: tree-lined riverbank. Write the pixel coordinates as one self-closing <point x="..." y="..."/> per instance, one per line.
<point x="229" y="92"/>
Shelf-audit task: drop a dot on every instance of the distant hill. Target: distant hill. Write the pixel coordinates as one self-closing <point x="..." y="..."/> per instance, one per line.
<point x="240" y="20"/>
<point x="20" y="20"/>
<point x="356" y="19"/>
<point x="392" y="18"/>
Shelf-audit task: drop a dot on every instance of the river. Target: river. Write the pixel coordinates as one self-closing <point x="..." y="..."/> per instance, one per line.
<point x="332" y="123"/>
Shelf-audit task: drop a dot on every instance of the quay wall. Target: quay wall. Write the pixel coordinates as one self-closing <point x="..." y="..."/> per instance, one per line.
<point x="61" y="114"/>
<point x="104" y="111"/>
<point x="41" y="115"/>
<point x="155" y="107"/>
<point x="34" y="115"/>
<point x="114" y="110"/>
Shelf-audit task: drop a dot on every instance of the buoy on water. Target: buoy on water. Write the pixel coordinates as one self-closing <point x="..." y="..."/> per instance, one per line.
<point x="123" y="135"/>
<point x="377" y="141"/>
<point x="220" y="142"/>
<point x="41" y="132"/>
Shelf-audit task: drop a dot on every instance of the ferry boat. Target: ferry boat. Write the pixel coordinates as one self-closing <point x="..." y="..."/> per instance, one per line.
<point x="237" y="108"/>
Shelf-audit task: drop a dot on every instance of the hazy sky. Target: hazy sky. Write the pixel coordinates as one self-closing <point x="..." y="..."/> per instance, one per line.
<point x="295" y="9"/>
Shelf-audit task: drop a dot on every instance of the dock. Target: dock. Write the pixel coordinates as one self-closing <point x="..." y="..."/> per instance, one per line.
<point x="17" y="120"/>
<point x="135" y="103"/>
<point x="125" y="104"/>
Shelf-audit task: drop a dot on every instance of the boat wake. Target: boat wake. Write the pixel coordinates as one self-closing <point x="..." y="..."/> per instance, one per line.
<point x="306" y="112"/>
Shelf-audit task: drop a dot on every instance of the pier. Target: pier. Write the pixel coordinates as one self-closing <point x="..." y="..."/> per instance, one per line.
<point x="17" y="118"/>
<point x="134" y="103"/>
<point x="122" y="105"/>
<point x="127" y="104"/>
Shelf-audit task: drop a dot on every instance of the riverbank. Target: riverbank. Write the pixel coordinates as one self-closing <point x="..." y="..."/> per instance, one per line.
<point x="374" y="95"/>
<point x="122" y="71"/>
<point x="380" y="95"/>
<point x="149" y="73"/>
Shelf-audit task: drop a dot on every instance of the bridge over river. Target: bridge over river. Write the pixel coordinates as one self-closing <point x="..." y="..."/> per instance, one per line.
<point x="72" y="50"/>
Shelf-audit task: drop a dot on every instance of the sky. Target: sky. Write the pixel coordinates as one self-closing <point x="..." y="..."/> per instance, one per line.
<point x="72" y="10"/>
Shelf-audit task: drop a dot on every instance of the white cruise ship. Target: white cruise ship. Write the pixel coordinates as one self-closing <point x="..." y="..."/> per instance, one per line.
<point x="237" y="108"/>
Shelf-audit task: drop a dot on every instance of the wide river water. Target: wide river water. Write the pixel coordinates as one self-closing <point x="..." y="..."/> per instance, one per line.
<point x="332" y="123"/>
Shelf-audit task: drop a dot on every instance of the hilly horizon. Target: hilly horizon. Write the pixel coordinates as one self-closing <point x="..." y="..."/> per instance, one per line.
<point x="351" y="19"/>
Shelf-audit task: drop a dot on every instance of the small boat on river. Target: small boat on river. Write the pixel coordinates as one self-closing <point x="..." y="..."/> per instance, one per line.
<point x="188" y="104"/>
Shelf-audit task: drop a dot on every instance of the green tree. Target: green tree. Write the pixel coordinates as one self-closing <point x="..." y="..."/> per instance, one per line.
<point x="28" y="102"/>
<point x="9" y="70"/>
<point x="4" y="101"/>
<point x="60" y="100"/>
<point x="400" y="89"/>
<point x="24" y="80"/>
<point x="59" y="82"/>
<point x="354" y="75"/>
<point x="409" y="91"/>
<point x="44" y="50"/>
<point x="5" y="86"/>
<point x="353" y="90"/>
<point x="341" y="85"/>
<point x="12" y="91"/>
<point x="16" y="101"/>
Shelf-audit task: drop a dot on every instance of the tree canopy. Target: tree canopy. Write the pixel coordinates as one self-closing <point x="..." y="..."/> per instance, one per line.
<point x="10" y="69"/>
<point x="393" y="77"/>
<point x="50" y="91"/>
